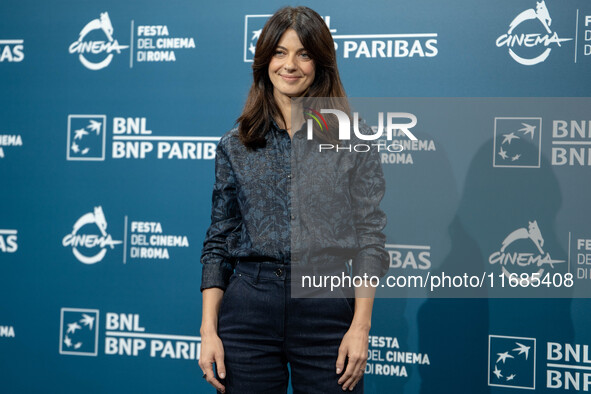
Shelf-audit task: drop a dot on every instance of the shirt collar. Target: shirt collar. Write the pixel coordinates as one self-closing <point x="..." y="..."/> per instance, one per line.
<point x="275" y="125"/>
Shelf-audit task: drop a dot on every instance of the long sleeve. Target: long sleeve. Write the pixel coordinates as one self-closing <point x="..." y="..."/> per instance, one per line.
<point x="367" y="190"/>
<point x="225" y="218"/>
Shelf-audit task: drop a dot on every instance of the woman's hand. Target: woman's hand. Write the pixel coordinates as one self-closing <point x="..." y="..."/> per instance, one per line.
<point x="212" y="351"/>
<point x="354" y="347"/>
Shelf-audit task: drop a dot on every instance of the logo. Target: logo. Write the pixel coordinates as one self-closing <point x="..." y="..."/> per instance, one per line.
<point x="568" y="366"/>
<point x="8" y="241"/>
<point x="131" y="139"/>
<point x="517" y="142"/>
<point x="316" y="116"/>
<point x="88" y="141"/>
<point x="345" y="130"/>
<point x="407" y="148"/>
<point x="355" y="46"/>
<point x="154" y="44"/>
<point x="570" y="143"/>
<point x="11" y="51"/>
<point x="253" y="26"/>
<point x="9" y="140"/>
<point x="514" y="256"/>
<point x="512" y="362"/>
<point x="143" y="240"/>
<point x="84" y="237"/>
<point x="123" y="336"/>
<point x="582" y="253"/>
<point x="345" y="125"/>
<point x="100" y="52"/>
<point x="79" y="331"/>
<point x="148" y="241"/>
<point x="6" y="332"/>
<point x="586" y="35"/>
<point x="413" y="257"/>
<point x="386" y="358"/>
<point x="532" y="41"/>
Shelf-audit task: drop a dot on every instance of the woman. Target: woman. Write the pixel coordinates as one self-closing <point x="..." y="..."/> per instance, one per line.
<point x="251" y="326"/>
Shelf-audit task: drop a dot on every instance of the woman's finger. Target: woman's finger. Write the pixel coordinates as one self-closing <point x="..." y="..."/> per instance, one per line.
<point x="354" y="371"/>
<point x="340" y="365"/>
<point x="353" y="380"/>
<point x="210" y="378"/>
<point x="221" y="367"/>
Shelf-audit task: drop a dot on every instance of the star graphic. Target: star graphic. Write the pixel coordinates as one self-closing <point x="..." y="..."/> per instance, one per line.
<point x="504" y="356"/>
<point x="502" y="153"/>
<point x="72" y="327"/>
<point x="256" y="34"/>
<point x="522" y="349"/>
<point x="87" y="320"/>
<point x="67" y="341"/>
<point x="517" y="156"/>
<point x="77" y="345"/>
<point x="85" y="151"/>
<point x="251" y="48"/>
<point x="509" y="137"/>
<point x="510" y="377"/>
<point x="75" y="148"/>
<point x="528" y="129"/>
<point x="497" y="372"/>
<point x="79" y="134"/>
<point x="95" y="126"/>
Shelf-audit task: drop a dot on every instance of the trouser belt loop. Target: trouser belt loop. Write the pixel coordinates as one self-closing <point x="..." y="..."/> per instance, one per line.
<point x="258" y="271"/>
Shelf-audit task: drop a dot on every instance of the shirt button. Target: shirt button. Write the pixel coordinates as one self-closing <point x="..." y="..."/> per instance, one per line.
<point x="278" y="271"/>
<point x="289" y="176"/>
<point x="292" y="216"/>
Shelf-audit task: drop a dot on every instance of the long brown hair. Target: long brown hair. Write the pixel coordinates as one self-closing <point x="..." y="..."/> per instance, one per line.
<point x="260" y="108"/>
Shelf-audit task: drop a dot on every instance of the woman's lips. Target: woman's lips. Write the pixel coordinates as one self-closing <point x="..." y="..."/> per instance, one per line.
<point x="290" y="78"/>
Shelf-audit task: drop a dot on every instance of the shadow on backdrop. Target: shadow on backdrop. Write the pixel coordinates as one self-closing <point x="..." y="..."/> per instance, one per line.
<point x="495" y="201"/>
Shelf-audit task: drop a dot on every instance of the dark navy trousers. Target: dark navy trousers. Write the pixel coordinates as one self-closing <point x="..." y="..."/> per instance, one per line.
<point x="263" y="329"/>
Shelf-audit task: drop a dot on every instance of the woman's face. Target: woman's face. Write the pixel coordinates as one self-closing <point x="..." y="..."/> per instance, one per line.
<point x="291" y="70"/>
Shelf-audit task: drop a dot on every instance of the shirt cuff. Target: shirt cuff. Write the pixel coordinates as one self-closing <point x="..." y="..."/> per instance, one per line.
<point x="371" y="263"/>
<point x="216" y="275"/>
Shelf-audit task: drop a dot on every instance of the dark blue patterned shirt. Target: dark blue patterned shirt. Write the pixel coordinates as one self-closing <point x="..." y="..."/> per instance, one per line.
<point x="289" y="203"/>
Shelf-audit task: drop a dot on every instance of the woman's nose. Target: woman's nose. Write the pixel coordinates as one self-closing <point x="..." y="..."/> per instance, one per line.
<point x="289" y="64"/>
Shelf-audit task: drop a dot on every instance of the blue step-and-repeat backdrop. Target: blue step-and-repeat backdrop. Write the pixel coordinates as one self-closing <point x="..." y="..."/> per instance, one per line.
<point x="111" y="114"/>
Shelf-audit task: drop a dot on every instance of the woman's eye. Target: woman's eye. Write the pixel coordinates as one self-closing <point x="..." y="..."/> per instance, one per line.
<point x="279" y="53"/>
<point x="304" y="55"/>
